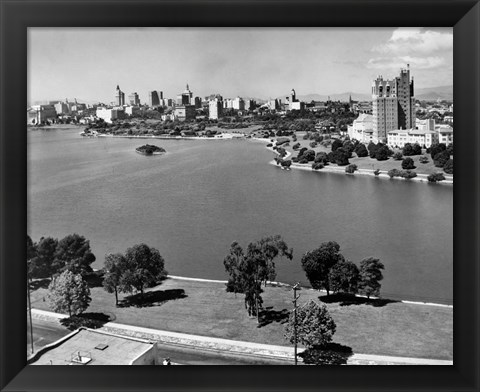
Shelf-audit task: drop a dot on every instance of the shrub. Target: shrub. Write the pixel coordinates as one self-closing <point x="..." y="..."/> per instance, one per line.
<point x="336" y="144"/>
<point x="296" y="146"/>
<point x="448" y="167"/>
<point x="303" y="160"/>
<point x="317" y="166"/>
<point x="408" y="164"/>
<point x="435" y="177"/>
<point x="313" y="144"/>
<point x="423" y="159"/>
<point x="398" y="156"/>
<point x="394" y="173"/>
<point x="294" y="159"/>
<point x="376" y="172"/>
<point x="321" y="157"/>
<point x="351" y="168"/>
<point x="382" y="153"/>
<point x="407" y="174"/>
<point x="269" y="145"/>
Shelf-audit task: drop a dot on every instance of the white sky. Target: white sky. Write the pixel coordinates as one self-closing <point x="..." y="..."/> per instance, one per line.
<point x="88" y="63"/>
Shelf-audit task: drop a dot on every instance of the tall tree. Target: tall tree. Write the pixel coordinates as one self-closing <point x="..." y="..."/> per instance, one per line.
<point x="370" y="276"/>
<point x="318" y="262"/>
<point x="68" y="292"/>
<point x="314" y="325"/>
<point x="115" y="266"/>
<point x="248" y="271"/>
<point x="144" y="267"/>
<point x="73" y="253"/>
<point x="42" y="264"/>
<point x="344" y="277"/>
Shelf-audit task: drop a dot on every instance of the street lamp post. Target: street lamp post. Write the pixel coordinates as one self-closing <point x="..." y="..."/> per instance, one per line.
<point x="30" y="313"/>
<point x="295" y="297"/>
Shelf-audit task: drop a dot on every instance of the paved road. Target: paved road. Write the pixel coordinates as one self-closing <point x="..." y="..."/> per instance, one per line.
<point x="46" y="332"/>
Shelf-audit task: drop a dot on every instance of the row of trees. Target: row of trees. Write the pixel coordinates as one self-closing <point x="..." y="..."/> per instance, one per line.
<point x="50" y="256"/>
<point x="326" y="268"/>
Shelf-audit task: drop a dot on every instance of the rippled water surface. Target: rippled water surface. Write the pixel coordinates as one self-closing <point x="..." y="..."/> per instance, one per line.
<point x="193" y="202"/>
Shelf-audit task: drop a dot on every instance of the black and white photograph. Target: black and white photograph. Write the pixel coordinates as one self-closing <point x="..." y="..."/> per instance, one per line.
<point x="240" y="196"/>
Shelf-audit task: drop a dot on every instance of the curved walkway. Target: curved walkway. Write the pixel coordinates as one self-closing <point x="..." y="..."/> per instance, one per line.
<point x="237" y="347"/>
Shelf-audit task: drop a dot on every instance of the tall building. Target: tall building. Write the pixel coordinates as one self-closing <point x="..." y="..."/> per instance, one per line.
<point x="215" y="109"/>
<point x="185" y="98"/>
<point x="133" y="99"/>
<point x="153" y="99"/>
<point x="238" y="104"/>
<point x="119" y="97"/>
<point x="392" y="104"/>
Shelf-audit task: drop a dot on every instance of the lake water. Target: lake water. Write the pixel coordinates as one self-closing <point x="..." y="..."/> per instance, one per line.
<point x="193" y="202"/>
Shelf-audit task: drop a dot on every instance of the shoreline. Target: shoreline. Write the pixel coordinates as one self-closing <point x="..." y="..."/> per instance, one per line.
<point x="281" y="284"/>
<point x="366" y="172"/>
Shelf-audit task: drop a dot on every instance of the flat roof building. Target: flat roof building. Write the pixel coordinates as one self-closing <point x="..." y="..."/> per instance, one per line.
<point x="93" y="347"/>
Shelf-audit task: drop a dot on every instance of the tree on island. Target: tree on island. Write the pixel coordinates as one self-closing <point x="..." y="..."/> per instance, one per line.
<point x="73" y="253"/>
<point x="370" y="274"/>
<point x="68" y="292"/>
<point x="314" y="325"/>
<point x="115" y="265"/>
<point x="318" y="262"/>
<point x="247" y="271"/>
<point x="343" y="277"/>
<point x="144" y="267"/>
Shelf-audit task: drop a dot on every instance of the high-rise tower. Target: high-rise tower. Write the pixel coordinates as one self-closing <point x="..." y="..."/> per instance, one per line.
<point x="392" y="104"/>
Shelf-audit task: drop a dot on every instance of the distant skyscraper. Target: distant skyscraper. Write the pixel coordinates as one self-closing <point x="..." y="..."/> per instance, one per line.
<point x="185" y="98"/>
<point x="392" y="104"/>
<point x="153" y="99"/>
<point x="215" y="109"/>
<point x="133" y="99"/>
<point x="119" y="97"/>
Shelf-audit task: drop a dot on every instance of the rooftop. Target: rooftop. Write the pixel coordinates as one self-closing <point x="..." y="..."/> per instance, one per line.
<point x="92" y="347"/>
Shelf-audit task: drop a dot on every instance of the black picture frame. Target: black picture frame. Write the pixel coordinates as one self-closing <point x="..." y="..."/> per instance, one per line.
<point x="18" y="15"/>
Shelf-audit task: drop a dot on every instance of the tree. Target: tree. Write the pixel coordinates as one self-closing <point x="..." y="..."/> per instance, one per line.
<point x="31" y="252"/>
<point x="407" y="149"/>
<point x="73" y="253"/>
<point x="318" y="262"/>
<point x="448" y="167"/>
<point x="336" y="144"/>
<point x="314" y="325"/>
<point x="441" y="158"/>
<point x="408" y="164"/>
<point x="43" y="264"/>
<point x="248" y="270"/>
<point x="398" y="156"/>
<point x="417" y="149"/>
<point x="344" y="277"/>
<point x="351" y="168"/>
<point x="144" y="267"/>
<point x="339" y="156"/>
<point x="115" y="266"/>
<point x="68" y="292"/>
<point x="423" y="159"/>
<point x="437" y="148"/>
<point x="321" y="157"/>
<point x="382" y="153"/>
<point x="361" y="150"/>
<point x="370" y="275"/>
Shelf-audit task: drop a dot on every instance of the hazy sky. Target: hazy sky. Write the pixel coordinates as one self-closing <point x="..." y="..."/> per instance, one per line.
<point x="88" y="63"/>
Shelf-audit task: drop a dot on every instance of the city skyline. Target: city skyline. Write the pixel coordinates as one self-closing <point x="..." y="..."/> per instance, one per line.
<point x="88" y="63"/>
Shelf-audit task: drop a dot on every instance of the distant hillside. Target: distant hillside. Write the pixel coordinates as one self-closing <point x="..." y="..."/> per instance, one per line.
<point x="434" y="93"/>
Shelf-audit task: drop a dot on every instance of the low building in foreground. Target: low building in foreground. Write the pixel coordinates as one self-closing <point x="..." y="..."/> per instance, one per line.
<point x="362" y="129"/>
<point x="93" y="347"/>
<point x="109" y="115"/>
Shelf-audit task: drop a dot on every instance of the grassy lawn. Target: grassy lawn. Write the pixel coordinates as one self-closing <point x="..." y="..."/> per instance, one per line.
<point x="372" y="164"/>
<point x="204" y="308"/>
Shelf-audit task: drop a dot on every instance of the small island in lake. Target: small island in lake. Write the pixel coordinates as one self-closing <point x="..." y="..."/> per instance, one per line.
<point x="150" y="149"/>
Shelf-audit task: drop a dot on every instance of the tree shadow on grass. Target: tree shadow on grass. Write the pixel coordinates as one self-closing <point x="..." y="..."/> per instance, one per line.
<point x="89" y="320"/>
<point x="328" y="354"/>
<point x="39" y="284"/>
<point x="268" y="316"/>
<point x="151" y="298"/>
<point x="350" y="299"/>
